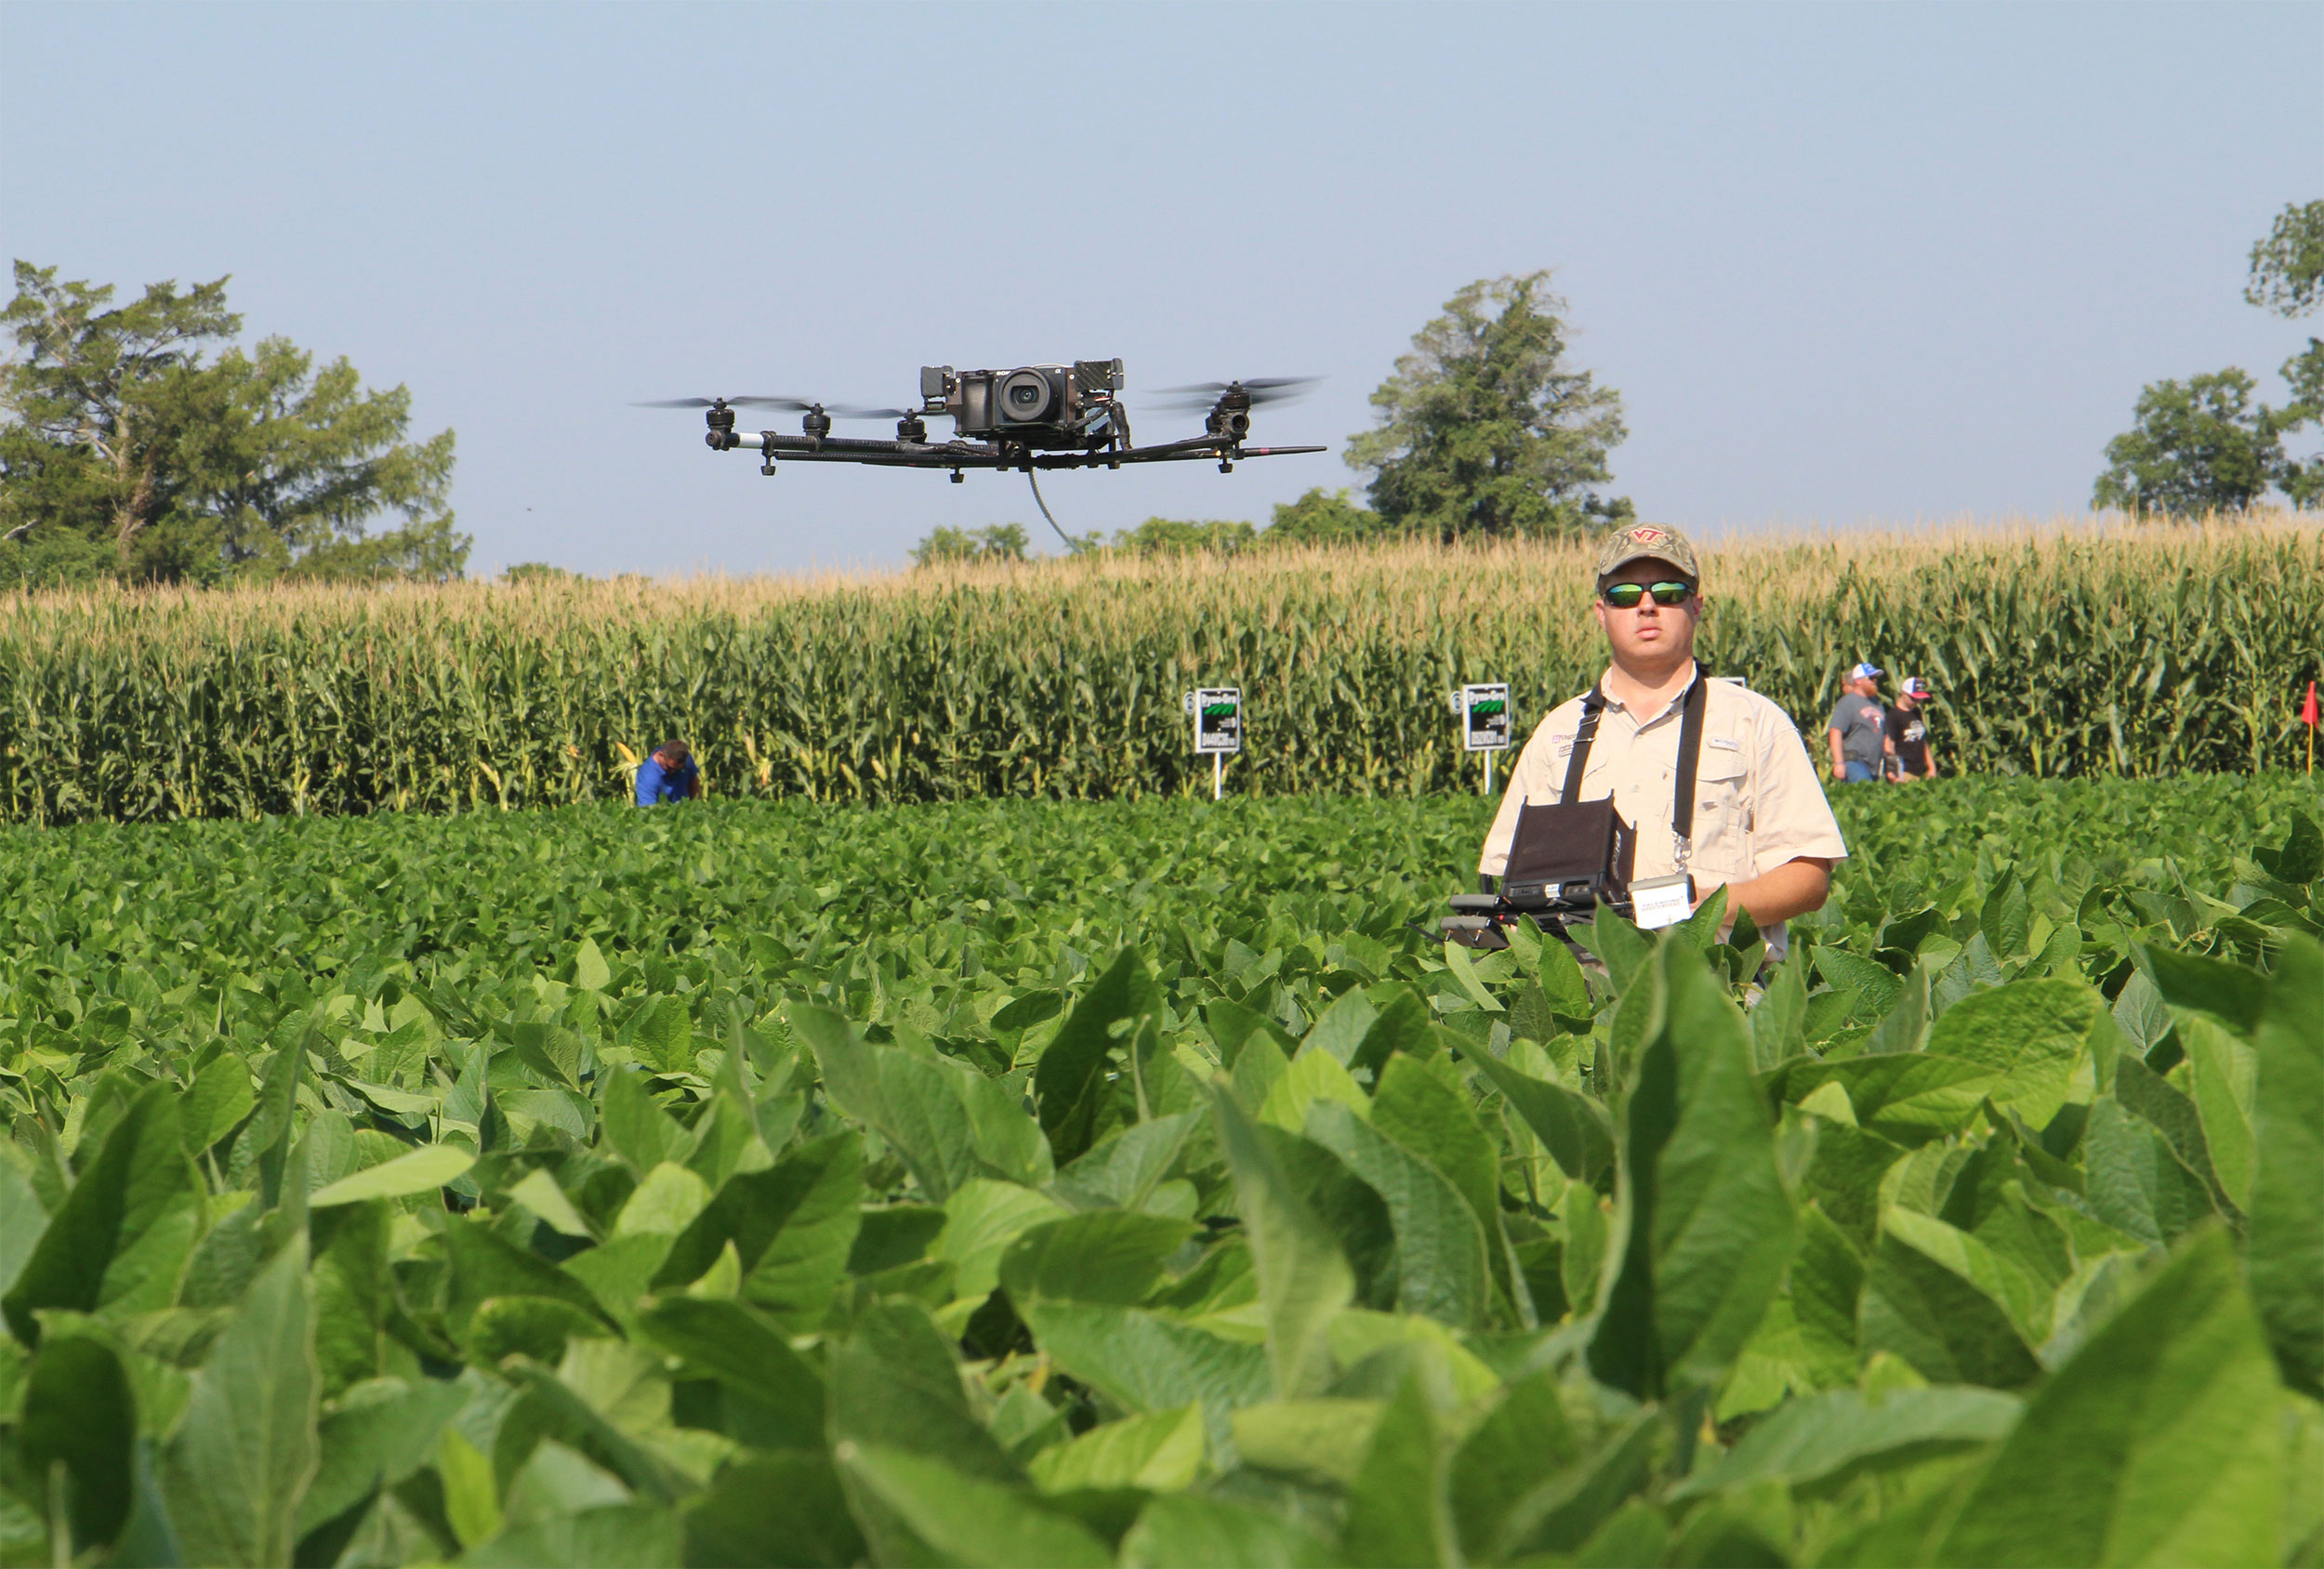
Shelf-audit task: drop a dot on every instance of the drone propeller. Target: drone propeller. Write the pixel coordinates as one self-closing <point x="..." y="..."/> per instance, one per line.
<point x="796" y="405"/>
<point x="1261" y="389"/>
<point x="852" y="411"/>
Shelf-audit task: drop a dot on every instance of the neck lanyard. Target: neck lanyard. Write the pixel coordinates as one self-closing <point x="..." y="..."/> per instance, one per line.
<point x="1690" y="757"/>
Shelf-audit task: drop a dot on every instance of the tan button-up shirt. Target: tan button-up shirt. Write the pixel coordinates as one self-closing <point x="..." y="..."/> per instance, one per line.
<point x="1758" y="803"/>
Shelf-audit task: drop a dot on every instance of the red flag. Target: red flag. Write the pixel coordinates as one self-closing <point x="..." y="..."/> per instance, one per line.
<point x="2307" y="709"/>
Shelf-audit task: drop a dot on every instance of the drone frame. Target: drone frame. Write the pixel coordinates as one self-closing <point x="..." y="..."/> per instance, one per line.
<point x="1103" y="443"/>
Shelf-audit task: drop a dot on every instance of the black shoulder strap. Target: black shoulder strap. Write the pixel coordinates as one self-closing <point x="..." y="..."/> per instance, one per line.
<point x="1584" y="734"/>
<point x="1690" y="758"/>
<point x="1696" y="703"/>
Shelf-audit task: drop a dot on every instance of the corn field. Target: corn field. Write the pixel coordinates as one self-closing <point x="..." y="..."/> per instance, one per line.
<point x="2074" y="649"/>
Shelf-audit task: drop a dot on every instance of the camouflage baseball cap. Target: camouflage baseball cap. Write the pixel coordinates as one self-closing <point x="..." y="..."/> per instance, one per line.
<point x="1641" y="541"/>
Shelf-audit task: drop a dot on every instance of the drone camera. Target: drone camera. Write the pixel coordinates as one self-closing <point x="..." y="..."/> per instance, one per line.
<point x="1043" y="406"/>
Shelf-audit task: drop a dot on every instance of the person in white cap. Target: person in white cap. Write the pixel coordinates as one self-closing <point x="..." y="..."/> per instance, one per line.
<point x="1906" y="737"/>
<point x="1760" y="826"/>
<point x="1858" y="727"/>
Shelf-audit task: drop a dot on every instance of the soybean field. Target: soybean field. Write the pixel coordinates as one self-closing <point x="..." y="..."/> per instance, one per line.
<point x="1024" y="1182"/>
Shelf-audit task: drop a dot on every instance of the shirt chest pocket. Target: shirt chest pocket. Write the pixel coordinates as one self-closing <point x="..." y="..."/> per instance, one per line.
<point x="1723" y="812"/>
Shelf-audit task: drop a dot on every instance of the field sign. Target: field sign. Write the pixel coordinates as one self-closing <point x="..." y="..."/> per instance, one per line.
<point x="1485" y="718"/>
<point x="1218" y="720"/>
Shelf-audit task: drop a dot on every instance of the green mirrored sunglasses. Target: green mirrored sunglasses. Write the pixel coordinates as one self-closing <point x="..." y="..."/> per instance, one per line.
<point x="1625" y="596"/>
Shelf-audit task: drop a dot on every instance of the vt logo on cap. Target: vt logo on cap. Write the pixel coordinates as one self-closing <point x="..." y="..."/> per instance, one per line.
<point x="1641" y="541"/>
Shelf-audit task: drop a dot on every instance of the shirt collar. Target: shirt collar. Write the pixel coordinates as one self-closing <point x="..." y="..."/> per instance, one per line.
<point x="1677" y="698"/>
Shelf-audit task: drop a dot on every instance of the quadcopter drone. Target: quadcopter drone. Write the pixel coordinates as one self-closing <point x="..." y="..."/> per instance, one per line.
<point x="1038" y="416"/>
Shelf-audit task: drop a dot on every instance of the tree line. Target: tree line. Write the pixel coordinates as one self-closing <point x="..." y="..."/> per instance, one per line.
<point x="139" y="442"/>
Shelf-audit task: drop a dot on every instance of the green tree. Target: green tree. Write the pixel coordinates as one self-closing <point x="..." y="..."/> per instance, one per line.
<point x="1001" y="542"/>
<point x="1485" y="430"/>
<point x="1322" y="517"/>
<point x="118" y="431"/>
<point x="2203" y="446"/>
<point x="1158" y="536"/>
<point x="2288" y="264"/>
<point x="2288" y="278"/>
<point x="2199" y="447"/>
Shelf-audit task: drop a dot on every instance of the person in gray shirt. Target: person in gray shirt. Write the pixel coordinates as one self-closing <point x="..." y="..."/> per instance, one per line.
<point x="1858" y="727"/>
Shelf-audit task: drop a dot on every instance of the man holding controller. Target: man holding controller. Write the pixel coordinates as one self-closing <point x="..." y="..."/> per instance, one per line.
<point x="1761" y="826"/>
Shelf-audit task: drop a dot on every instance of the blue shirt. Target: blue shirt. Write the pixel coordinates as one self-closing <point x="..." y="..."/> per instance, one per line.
<point x="656" y="784"/>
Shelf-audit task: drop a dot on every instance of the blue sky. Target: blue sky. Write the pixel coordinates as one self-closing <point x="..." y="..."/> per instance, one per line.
<point x="1845" y="264"/>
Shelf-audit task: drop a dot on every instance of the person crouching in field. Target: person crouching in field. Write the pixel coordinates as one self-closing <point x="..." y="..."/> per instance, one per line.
<point x="1761" y="826"/>
<point x="668" y="775"/>
<point x="1858" y="727"/>
<point x="1910" y="755"/>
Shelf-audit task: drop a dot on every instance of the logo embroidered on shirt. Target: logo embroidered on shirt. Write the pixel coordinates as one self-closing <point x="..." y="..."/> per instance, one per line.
<point x="1724" y="744"/>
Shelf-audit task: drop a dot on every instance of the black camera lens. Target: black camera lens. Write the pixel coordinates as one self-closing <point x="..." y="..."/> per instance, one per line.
<point x="1024" y="396"/>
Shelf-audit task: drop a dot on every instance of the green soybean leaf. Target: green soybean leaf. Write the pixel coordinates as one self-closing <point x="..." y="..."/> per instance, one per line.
<point x="910" y="1101"/>
<point x="2154" y="1443"/>
<point x="1403" y="1025"/>
<point x="1069" y="1082"/>
<point x="592" y="1539"/>
<point x="1145" y="1362"/>
<point x="1442" y="1270"/>
<point x="895" y="1382"/>
<point x="1421" y="1113"/>
<point x="1709" y="1221"/>
<point x="2135" y="1183"/>
<point x="2234" y="995"/>
<point x="1520" y="1440"/>
<point x="1949" y="1327"/>
<point x="774" y="1511"/>
<point x="774" y="1399"/>
<point x="2285" y="1253"/>
<point x="791" y="1225"/>
<point x="246" y="1447"/>
<point x="1106" y="1255"/>
<point x="1911" y="1097"/>
<point x="1572" y="1127"/>
<point x="23" y="1220"/>
<point x="78" y="1413"/>
<point x="1344" y="1026"/>
<point x="429" y="1166"/>
<point x="381" y="1432"/>
<point x="123" y="1236"/>
<point x="964" y="1519"/>
<point x="1159" y="1450"/>
<point x="1125" y="1167"/>
<point x="638" y="1129"/>
<point x="485" y="1265"/>
<point x="2224" y="1073"/>
<point x="1397" y="1509"/>
<point x="1303" y="1276"/>
<point x="2030" y="1037"/>
<point x="1179" y="1531"/>
<point x="1822" y="1441"/>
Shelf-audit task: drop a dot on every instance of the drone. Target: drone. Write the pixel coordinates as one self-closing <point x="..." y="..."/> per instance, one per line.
<point x="1031" y="419"/>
